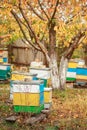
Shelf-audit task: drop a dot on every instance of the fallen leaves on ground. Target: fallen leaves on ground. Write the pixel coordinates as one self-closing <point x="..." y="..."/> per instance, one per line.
<point x="69" y="109"/>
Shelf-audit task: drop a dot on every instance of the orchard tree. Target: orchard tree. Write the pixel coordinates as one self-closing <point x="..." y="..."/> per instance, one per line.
<point x="57" y="19"/>
<point x="9" y="29"/>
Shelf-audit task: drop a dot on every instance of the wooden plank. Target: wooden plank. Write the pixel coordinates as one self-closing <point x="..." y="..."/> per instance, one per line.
<point x="4" y="81"/>
<point x="46" y="111"/>
<point x="11" y="119"/>
<point x="37" y="118"/>
<point x="20" y="47"/>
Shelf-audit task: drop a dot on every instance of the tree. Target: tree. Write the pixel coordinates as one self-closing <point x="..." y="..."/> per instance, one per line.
<point x="9" y="29"/>
<point x="53" y="13"/>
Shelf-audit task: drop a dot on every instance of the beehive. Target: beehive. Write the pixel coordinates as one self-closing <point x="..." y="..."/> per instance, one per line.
<point x="3" y="56"/>
<point x="34" y="86"/>
<point x="5" y="71"/>
<point x="47" y="95"/>
<point x="24" y="87"/>
<point x="71" y="74"/>
<point x="71" y="71"/>
<point x="72" y="64"/>
<point x="28" y="95"/>
<point x="81" y="74"/>
<point x="42" y="74"/>
<point x="28" y="99"/>
<point x="1" y="59"/>
<point x="47" y="98"/>
<point x="21" y="76"/>
<point x="30" y="109"/>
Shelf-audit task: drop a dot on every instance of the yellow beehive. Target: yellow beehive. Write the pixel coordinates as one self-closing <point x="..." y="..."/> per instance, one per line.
<point x="1" y="59"/>
<point x="81" y="77"/>
<point x="19" y="77"/>
<point x="26" y="99"/>
<point x="5" y="53"/>
<point x="72" y="64"/>
<point x="47" y="95"/>
<point x="19" y="99"/>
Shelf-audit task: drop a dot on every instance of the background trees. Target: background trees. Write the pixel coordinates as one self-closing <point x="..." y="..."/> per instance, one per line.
<point x="9" y="30"/>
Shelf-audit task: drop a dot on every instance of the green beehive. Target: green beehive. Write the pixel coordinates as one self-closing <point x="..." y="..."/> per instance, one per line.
<point x="5" y="71"/>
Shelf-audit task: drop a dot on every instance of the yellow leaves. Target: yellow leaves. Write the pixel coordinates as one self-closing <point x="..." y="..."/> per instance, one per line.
<point x="86" y="35"/>
<point x="85" y="18"/>
<point x="76" y="116"/>
<point x="7" y="23"/>
<point x="66" y="44"/>
<point x="55" y="28"/>
<point x="85" y="40"/>
<point x="80" y="46"/>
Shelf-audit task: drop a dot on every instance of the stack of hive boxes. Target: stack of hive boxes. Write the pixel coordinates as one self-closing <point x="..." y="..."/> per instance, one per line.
<point x="71" y="72"/>
<point x="44" y="74"/>
<point x="28" y="96"/>
<point x="47" y="97"/>
<point x="29" y="90"/>
<point x="20" y="76"/>
<point x="3" y="56"/>
<point x="5" y="68"/>
<point x="81" y="74"/>
<point x="76" y="71"/>
<point x="23" y="76"/>
<point x="5" y="71"/>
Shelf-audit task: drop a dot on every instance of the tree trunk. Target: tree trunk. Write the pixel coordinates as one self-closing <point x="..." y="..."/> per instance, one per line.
<point x="54" y="72"/>
<point x="52" y="55"/>
<point x="62" y="72"/>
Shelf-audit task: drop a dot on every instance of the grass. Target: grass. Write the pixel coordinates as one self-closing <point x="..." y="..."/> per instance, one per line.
<point x="68" y="112"/>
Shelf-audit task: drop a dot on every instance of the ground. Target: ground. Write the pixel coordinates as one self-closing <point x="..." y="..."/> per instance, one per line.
<point x="68" y="112"/>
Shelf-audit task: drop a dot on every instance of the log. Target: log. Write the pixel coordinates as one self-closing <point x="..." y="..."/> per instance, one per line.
<point x="46" y="111"/>
<point x="11" y="119"/>
<point x="37" y="118"/>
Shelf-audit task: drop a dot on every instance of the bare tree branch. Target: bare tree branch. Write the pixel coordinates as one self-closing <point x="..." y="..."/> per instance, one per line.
<point x="33" y="33"/>
<point x="34" y="11"/>
<point x="24" y="34"/>
<point x="4" y="36"/>
<point x="74" y="43"/>
<point x="55" y="9"/>
<point x="25" y="42"/>
<point x="26" y="20"/>
<point x="43" y="9"/>
<point x="71" y="19"/>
